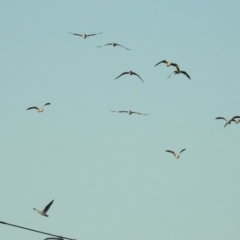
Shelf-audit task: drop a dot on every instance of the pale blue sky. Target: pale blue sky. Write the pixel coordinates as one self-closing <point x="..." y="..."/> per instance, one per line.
<point x="109" y="173"/>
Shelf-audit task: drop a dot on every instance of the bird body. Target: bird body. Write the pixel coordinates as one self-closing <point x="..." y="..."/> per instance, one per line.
<point x="236" y="120"/>
<point x="84" y="36"/>
<point x="39" y="109"/>
<point x="130" y="73"/>
<point x="114" y="45"/>
<point x="44" y="211"/>
<point x="175" y="155"/>
<point x="129" y="112"/>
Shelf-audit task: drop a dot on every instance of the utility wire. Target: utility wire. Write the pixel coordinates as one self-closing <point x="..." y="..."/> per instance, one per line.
<point x="29" y="229"/>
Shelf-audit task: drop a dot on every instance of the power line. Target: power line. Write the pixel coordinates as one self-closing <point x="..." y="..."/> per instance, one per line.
<point x="29" y="229"/>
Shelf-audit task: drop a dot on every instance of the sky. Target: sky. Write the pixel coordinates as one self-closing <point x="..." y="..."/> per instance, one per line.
<point x="109" y="173"/>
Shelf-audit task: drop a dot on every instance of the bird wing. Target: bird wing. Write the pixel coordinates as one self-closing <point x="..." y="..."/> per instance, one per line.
<point x="172" y="152"/>
<point x="122" y="46"/>
<point x="175" y="65"/>
<point x="121" y="75"/>
<point x="47" y="207"/>
<point x="226" y="124"/>
<point x="222" y="118"/>
<point x="185" y="73"/>
<point x="138" y="76"/>
<point x="139" y="113"/>
<point x="46" y="104"/>
<point x="175" y="72"/>
<point x="182" y="151"/>
<point x="59" y="238"/>
<point x="76" y="34"/>
<point x="119" y="111"/>
<point x="163" y="61"/>
<point x="104" y="45"/>
<point x="33" y="108"/>
<point x="89" y="35"/>
<point x="235" y="117"/>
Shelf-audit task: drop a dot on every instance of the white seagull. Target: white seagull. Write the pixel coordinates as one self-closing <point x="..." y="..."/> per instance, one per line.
<point x="44" y="211"/>
<point x="130" y="73"/>
<point x="39" y="109"/>
<point x="114" y="45"/>
<point x="168" y="64"/>
<point x="129" y="112"/>
<point x="176" y="156"/>
<point x="178" y="72"/>
<point x="84" y="36"/>
<point x="229" y="121"/>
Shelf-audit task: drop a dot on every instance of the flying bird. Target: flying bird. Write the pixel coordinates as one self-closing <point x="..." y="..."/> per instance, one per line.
<point x="230" y="120"/>
<point x="84" y="36"/>
<point x="168" y="64"/>
<point x="178" y="72"/>
<point x="39" y="109"/>
<point x="129" y="112"/>
<point x="175" y="155"/>
<point x="114" y="45"/>
<point x="130" y="73"/>
<point x="44" y="212"/>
